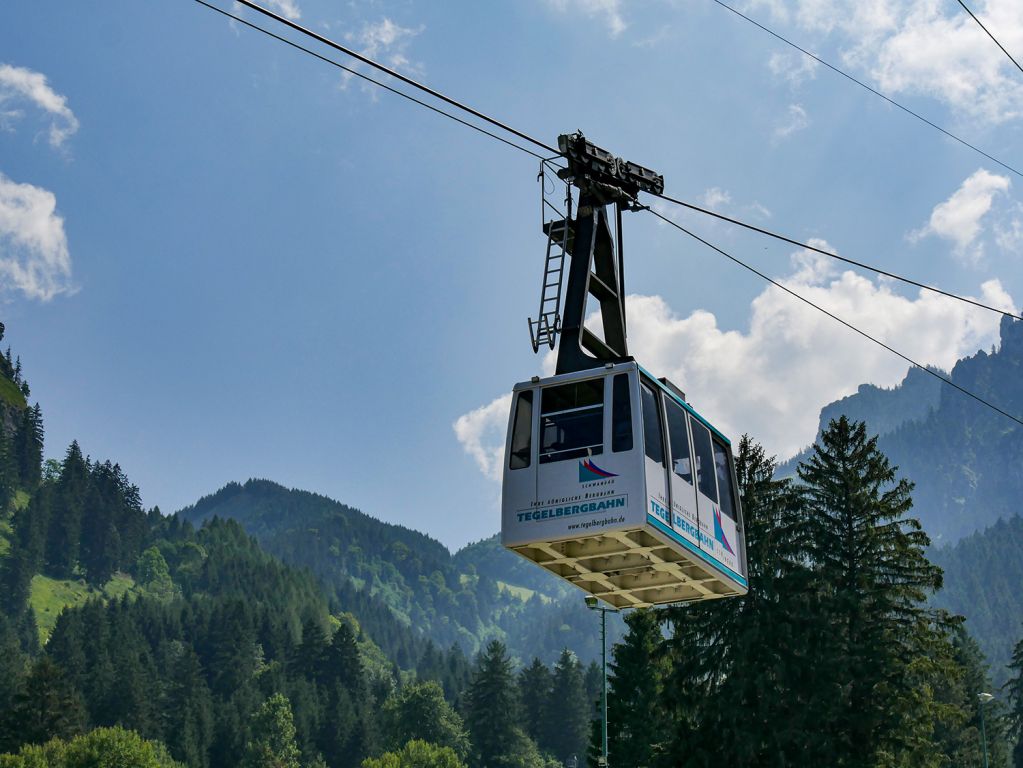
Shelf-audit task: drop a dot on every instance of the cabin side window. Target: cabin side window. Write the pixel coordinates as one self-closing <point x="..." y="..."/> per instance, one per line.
<point x="724" y="479"/>
<point x="572" y="421"/>
<point x="522" y="431"/>
<point x="704" y="460"/>
<point x="678" y="440"/>
<point x="621" y="414"/>
<point x="652" y="438"/>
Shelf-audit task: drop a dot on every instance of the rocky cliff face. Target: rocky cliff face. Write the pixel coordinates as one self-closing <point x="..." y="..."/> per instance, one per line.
<point x="965" y="459"/>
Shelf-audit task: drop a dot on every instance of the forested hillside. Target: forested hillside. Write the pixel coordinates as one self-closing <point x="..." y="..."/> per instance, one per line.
<point x="965" y="460"/>
<point x="984" y="582"/>
<point x="481" y="593"/>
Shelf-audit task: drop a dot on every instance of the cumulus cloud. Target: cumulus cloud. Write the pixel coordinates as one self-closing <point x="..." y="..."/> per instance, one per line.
<point x="917" y="47"/>
<point x="386" y="42"/>
<point x="608" y="11"/>
<point x="34" y="257"/>
<point x="959" y="218"/>
<point x="772" y="378"/>
<point x="18" y="84"/>
<point x="794" y="121"/>
<point x="481" y="433"/>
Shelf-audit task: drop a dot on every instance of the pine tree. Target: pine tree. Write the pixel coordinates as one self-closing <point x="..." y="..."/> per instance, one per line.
<point x="567" y="714"/>
<point x="534" y="692"/>
<point x="636" y="723"/>
<point x="45" y="707"/>
<point x="872" y="579"/>
<point x="492" y="709"/>
<point x="737" y="687"/>
<point x="1015" y="686"/>
<point x="65" y="529"/>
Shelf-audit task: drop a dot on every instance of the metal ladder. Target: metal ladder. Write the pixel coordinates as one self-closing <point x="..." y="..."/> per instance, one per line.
<point x="545" y="329"/>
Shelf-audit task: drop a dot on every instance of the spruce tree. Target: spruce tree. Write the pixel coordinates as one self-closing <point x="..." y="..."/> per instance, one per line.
<point x="737" y="687"/>
<point x="46" y="706"/>
<point x="534" y="692"/>
<point x="872" y="578"/>
<point x="493" y="710"/>
<point x="65" y="529"/>
<point x="636" y="723"/>
<point x="1015" y="687"/>
<point x="567" y="714"/>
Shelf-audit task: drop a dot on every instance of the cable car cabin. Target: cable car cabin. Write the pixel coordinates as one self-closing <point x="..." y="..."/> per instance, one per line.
<point x="614" y="483"/>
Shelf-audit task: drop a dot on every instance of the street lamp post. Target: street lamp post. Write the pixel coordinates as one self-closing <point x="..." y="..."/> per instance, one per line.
<point x="982" y="699"/>
<point x="592" y="604"/>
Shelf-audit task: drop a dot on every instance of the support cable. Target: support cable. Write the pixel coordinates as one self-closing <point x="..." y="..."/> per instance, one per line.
<point x="397" y="75"/>
<point x="860" y="264"/>
<point x="981" y="25"/>
<point x="369" y="79"/>
<point x="874" y="91"/>
<point x="835" y="317"/>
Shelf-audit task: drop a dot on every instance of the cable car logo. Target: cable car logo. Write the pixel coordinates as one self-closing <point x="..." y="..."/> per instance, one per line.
<point x="719" y="532"/>
<point x="588" y="472"/>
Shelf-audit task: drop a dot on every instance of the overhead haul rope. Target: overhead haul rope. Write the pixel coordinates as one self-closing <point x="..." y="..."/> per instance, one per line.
<point x="547" y="147"/>
<point x="807" y="246"/>
<point x="835" y="317"/>
<point x="981" y="25"/>
<point x="863" y="85"/>
<point x="369" y="79"/>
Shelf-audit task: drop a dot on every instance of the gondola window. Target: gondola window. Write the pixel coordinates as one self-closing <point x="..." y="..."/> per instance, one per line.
<point x="724" y="479"/>
<point x="678" y="438"/>
<point x="572" y="421"/>
<point x="704" y="461"/>
<point x="653" y="439"/>
<point x="521" y="443"/>
<point x="621" y="414"/>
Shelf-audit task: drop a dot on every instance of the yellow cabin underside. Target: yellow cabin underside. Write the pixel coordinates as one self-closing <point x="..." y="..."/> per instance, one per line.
<point x="629" y="569"/>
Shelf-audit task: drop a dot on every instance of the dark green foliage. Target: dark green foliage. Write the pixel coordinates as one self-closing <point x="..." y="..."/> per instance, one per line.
<point x="637" y="726"/>
<point x="46" y="706"/>
<point x="410" y="576"/>
<point x="273" y="745"/>
<point x="738" y="677"/>
<point x="565" y="728"/>
<point x="534" y="684"/>
<point x="419" y="711"/>
<point x="1015" y="688"/>
<point x="492" y="709"/>
<point x="64" y="532"/>
<point x="983" y="574"/>
<point x="870" y="580"/>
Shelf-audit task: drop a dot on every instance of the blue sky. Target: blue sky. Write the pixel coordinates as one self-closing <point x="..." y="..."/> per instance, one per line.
<point x="219" y="259"/>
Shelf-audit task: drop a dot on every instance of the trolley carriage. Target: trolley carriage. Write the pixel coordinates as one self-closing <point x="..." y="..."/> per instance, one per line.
<point x="611" y="480"/>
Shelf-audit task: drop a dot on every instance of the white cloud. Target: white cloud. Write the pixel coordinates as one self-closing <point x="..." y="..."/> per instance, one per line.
<point x="792" y="67"/>
<point x="959" y="218"/>
<point x="481" y="433"/>
<point x="715" y="197"/>
<point x="19" y="83"/>
<point x="918" y="47"/>
<point x="288" y="8"/>
<point x="386" y="42"/>
<point x="608" y="11"/>
<point x="34" y="257"/>
<point x="795" y="120"/>
<point x="772" y="379"/>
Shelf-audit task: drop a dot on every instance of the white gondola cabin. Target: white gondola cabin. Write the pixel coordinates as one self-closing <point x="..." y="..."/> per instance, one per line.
<point x="614" y="483"/>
